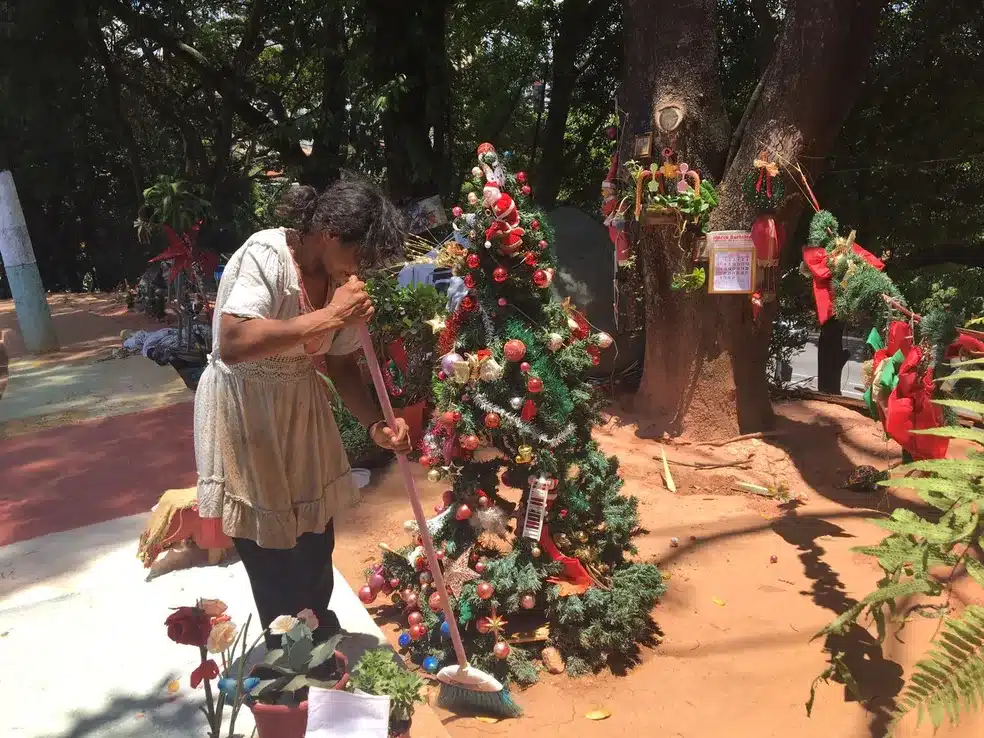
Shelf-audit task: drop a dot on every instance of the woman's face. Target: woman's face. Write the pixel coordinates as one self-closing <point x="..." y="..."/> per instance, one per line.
<point x="340" y="259"/>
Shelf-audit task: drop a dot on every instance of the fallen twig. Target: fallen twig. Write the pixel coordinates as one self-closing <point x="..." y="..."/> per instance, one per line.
<point x="704" y="467"/>
<point x="667" y="476"/>
<point x="742" y="437"/>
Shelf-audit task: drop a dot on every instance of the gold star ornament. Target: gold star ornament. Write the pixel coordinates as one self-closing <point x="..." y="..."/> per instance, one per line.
<point x="437" y="324"/>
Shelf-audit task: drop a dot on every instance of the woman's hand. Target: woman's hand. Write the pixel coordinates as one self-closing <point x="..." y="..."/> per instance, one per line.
<point x="384" y="437"/>
<point x="350" y="302"/>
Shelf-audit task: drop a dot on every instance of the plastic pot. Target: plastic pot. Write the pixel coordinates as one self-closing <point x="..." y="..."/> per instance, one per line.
<point x="290" y="721"/>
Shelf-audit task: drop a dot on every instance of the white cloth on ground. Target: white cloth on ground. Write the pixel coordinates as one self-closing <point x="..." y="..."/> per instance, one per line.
<point x="335" y="714"/>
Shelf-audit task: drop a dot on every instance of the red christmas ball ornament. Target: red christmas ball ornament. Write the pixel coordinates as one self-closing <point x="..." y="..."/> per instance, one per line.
<point x="441" y="375"/>
<point x="448" y="496"/>
<point x="500" y="274"/>
<point x="521" y="177"/>
<point x="503" y="302"/>
<point x="376" y="582"/>
<point x="543" y="245"/>
<point x="528" y="412"/>
<point x="411" y="600"/>
<point x="468" y="303"/>
<point x="514" y="350"/>
<point x="457" y="212"/>
<point x="525" y="190"/>
<point x="527" y="602"/>
<point x="534" y="385"/>
<point x="418" y="632"/>
<point x="492" y="420"/>
<point x="483" y="626"/>
<point x="415" y="617"/>
<point x="451" y="418"/>
<point x="524" y="367"/>
<point x="535" y="224"/>
<point x="469" y="442"/>
<point x="611" y="132"/>
<point x="425" y="460"/>
<point x="529" y="258"/>
<point x="469" y="281"/>
<point x="485" y="591"/>
<point x="473" y="261"/>
<point x="367" y="595"/>
<point x="434" y="602"/>
<point x="464" y="512"/>
<point x="595" y="355"/>
<point x="480" y="568"/>
<point x="501" y="650"/>
<point x="420" y="563"/>
<point x="541" y="278"/>
<point x="484" y="503"/>
<point x="394" y="583"/>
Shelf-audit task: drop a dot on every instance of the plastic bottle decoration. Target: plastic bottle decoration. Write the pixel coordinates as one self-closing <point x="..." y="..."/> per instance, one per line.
<point x="764" y="190"/>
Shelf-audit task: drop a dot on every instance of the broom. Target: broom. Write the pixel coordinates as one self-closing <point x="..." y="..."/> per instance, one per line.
<point x="464" y="689"/>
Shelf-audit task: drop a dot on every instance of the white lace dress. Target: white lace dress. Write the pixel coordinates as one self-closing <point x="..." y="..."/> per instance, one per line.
<point x="270" y="461"/>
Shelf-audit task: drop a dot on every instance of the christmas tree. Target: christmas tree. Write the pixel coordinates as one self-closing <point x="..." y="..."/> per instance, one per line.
<point x="547" y="565"/>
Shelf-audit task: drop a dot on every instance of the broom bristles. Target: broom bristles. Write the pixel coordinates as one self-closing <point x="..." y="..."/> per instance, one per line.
<point x="467" y="690"/>
<point x="462" y="700"/>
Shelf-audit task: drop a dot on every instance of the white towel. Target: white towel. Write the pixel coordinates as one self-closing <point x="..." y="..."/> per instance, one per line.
<point x="335" y="714"/>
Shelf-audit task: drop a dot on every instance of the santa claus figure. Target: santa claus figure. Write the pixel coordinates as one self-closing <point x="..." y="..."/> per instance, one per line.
<point x="615" y="214"/>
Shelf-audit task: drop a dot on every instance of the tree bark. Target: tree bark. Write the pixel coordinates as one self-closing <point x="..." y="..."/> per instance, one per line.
<point x="704" y="371"/>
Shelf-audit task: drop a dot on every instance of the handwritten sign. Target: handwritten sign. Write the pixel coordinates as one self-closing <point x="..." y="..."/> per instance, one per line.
<point x="732" y="263"/>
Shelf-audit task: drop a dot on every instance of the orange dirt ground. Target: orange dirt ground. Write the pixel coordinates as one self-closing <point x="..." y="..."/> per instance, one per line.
<point x="736" y="656"/>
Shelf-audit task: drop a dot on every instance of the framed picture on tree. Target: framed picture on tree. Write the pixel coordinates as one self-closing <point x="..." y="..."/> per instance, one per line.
<point x="642" y="146"/>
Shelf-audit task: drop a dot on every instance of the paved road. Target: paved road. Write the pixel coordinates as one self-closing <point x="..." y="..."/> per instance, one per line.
<point x="805" y="367"/>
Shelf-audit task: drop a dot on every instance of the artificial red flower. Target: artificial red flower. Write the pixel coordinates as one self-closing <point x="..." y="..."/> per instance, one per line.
<point x="189" y="626"/>
<point x="206" y="670"/>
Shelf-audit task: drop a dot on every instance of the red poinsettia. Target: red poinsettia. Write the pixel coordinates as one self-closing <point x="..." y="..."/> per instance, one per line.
<point x="205" y="671"/>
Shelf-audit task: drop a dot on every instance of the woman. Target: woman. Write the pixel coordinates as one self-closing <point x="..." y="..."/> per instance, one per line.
<point x="271" y="465"/>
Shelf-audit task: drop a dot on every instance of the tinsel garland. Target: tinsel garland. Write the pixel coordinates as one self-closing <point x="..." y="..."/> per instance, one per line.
<point x="523" y="427"/>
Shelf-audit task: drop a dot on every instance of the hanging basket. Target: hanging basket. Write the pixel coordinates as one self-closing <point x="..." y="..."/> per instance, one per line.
<point x="662" y="217"/>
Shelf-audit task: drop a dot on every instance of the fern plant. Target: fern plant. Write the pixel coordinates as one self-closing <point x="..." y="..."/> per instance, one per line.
<point x="950" y="677"/>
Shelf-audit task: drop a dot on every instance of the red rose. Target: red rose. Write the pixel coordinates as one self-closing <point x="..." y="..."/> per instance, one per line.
<point x="188" y="626"/>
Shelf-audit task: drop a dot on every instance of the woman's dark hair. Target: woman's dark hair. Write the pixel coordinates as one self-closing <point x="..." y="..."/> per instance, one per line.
<point x="355" y="211"/>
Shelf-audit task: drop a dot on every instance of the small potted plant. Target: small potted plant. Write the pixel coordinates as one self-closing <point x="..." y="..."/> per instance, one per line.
<point x="207" y="627"/>
<point x="378" y="672"/>
<point x="279" y="699"/>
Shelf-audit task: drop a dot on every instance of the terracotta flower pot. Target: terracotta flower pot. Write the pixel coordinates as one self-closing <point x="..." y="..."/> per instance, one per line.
<point x="283" y="721"/>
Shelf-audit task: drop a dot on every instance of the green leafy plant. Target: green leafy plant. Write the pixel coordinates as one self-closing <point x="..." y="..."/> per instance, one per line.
<point x="173" y="202"/>
<point x="950" y="678"/>
<point x="401" y="315"/>
<point x="287" y="672"/>
<point x="689" y="282"/>
<point x="379" y="673"/>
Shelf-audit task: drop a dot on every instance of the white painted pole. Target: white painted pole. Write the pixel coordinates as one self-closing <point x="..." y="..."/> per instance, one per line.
<point x="17" y="253"/>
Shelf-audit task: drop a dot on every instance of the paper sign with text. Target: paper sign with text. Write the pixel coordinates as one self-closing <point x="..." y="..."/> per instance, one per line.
<point x="732" y="263"/>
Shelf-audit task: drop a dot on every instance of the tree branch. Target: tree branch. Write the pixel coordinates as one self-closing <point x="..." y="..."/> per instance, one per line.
<point x="246" y="52"/>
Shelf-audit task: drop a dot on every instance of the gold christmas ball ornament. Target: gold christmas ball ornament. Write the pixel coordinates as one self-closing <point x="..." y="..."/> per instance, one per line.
<point x="561" y="540"/>
<point x="555" y="341"/>
<point x="434" y="476"/>
<point x="604" y="340"/>
<point x="581" y="536"/>
<point x="602" y="526"/>
<point x="524" y="454"/>
<point x="535" y="552"/>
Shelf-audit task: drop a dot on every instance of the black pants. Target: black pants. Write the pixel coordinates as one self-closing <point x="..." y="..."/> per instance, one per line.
<point x="286" y="581"/>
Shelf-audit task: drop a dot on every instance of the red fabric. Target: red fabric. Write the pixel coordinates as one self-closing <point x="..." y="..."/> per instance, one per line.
<point x="573" y="571"/>
<point x="868" y="257"/>
<point x="398" y="353"/>
<point x="899" y="338"/>
<point x="815" y="258"/>
<point x="964" y="345"/>
<point x="768" y="237"/>
<point x="910" y="408"/>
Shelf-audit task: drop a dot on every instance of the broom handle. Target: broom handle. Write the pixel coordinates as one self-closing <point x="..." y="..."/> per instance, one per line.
<point x="418" y="510"/>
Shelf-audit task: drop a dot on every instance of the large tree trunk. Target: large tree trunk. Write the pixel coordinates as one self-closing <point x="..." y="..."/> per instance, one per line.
<point x="705" y="359"/>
